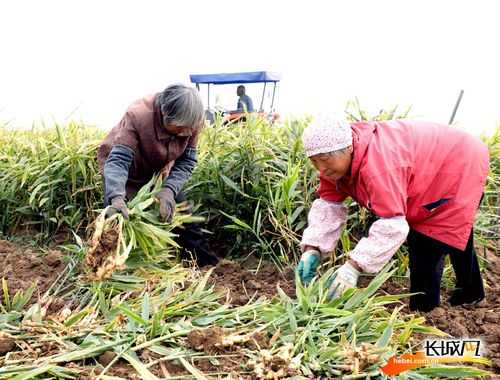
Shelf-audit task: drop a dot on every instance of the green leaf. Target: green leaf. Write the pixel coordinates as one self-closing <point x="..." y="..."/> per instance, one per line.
<point x="232" y="185"/>
<point x="84" y="353"/>
<point x="145" y="307"/>
<point x="23" y="297"/>
<point x="76" y="317"/>
<point x="33" y="373"/>
<point x="363" y="294"/>
<point x="132" y="315"/>
<point x="205" y="321"/>
<point x="6" y="297"/>
<point x="387" y="334"/>
<point x="156" y="325"/>
<point x="132" y="358"/>
<point x="34" y="192"/>
<point x="237" y="221"/>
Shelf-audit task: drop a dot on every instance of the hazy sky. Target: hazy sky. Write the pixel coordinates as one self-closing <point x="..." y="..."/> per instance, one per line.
<point x="89" y="59"/>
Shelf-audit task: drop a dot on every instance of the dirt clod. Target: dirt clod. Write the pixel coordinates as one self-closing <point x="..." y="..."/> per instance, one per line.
<point x="209" y="340"/>
<point x="106" y="357"/>
<point x="6" y="247"/>
<point x="240" y="285"/>
<point x="7" y="344"/>
<point x="53" y="258"/>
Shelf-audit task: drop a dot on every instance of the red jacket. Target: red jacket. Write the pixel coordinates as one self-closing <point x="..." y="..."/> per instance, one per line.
<point x="430" y="173"/>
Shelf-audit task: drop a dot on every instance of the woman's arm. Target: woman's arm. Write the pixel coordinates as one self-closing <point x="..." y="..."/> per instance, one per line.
<point x="384" y="238"/>
<point x="325" y="222"/>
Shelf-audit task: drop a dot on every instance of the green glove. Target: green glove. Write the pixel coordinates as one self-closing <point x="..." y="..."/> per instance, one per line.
<point x="308" y="265"/>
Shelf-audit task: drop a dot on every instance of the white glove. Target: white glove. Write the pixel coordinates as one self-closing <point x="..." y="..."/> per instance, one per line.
<point x="346" y="277"/>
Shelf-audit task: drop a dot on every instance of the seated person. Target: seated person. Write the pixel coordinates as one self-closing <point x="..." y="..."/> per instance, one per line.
<point x="245" y="103"/>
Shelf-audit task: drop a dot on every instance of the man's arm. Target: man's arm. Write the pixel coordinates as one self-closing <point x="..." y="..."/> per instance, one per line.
<point x="119" y="160"/>
<point x="116" y="172"/>
<point x="181" y="171"/>
<point x="249" y="104"/>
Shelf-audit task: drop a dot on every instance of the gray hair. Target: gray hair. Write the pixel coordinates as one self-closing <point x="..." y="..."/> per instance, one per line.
<point x="339" y="152"/>
<point x="181" y="105"/>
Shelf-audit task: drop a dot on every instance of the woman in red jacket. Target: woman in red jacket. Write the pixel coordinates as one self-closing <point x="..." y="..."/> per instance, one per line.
<point x="423" y="180"/>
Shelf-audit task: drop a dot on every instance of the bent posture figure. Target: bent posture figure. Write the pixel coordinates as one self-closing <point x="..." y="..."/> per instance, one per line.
<point x="423" y="180"/>
<point x="157" y="135"/>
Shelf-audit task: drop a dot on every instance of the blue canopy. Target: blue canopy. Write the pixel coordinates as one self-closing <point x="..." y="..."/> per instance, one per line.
<point x="228" y="78"/>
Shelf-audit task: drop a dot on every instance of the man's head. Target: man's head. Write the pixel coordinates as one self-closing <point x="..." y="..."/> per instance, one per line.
<point x="181" y="109"/>
<point x="328" y="143"/>
<point x="240" y="91"/>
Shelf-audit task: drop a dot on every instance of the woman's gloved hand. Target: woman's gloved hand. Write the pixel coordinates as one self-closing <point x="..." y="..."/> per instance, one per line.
<point x="346" y="277"/>
<point x="308" y="265"/>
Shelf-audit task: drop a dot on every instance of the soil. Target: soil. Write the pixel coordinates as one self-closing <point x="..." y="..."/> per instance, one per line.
<point x="22" y="267"/>
<point x="227" y="363"/>
<point x="226" y="346"/>
<point x="232" y="363"/>
<point x="120" y="369"/>
<point x="106" y="357"/>
<point x="7" y="344"/>
<point x="478" y="321"/>
<point x="241" y="285"/>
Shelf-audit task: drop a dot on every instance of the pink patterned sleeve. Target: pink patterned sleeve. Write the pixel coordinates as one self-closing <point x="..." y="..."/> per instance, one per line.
<point x="325" y="222"/>
<point x="384" y="238"/>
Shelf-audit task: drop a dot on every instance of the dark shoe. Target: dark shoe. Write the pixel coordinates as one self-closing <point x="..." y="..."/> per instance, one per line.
<point x="424" y="303"/>
<point x="422" y="307"/>
<point x="207" y="258"/>
<point x="195" y="245"/>
<point x="459" y="297"/>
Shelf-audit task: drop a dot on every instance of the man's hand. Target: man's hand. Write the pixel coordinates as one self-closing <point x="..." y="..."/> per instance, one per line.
<point x="167" y="204"/>
<point x="308" y="265"/>
<point x="118" y="205"/>
<point x="346" y="277"/>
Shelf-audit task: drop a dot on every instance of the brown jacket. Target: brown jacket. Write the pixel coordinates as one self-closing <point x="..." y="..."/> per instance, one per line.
<point x="155" y="150"/>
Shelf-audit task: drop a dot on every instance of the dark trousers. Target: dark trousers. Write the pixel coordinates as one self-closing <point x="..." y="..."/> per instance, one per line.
<point x="426" y="269"/>
<point x="193" y="241"/>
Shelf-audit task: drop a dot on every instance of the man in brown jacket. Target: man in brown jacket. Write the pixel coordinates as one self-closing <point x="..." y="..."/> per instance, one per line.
<point x="157" y="134"/>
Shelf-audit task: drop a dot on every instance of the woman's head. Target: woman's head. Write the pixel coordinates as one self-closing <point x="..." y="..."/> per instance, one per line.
<point x="328" y="143"/>
<point x="181" y="109"/>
